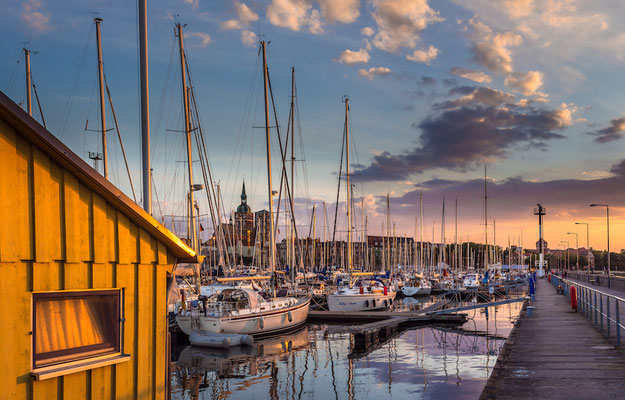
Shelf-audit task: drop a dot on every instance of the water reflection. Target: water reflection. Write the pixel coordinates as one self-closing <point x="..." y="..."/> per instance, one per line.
<point x="428" y="363"/>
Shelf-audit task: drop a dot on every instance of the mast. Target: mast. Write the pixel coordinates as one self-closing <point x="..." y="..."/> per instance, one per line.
<point x="456" y="263"/>
<point x="102" y="103"/>
<point x="145" y="107"/>
<point x="272" y="239"/>
<point x="187" y="129"/>
<point x="485" y="222"/>
<point x="29" y="102"/>
<point x="349" y="205"/>
<point x="388" y="231"/>
<point x="421" y="231"/>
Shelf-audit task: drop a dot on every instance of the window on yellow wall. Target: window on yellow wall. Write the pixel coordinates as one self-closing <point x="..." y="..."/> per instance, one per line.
<point x="75" y="325"/>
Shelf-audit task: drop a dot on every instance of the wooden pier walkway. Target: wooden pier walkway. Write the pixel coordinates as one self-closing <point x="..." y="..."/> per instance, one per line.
<point x="556" y="354"/>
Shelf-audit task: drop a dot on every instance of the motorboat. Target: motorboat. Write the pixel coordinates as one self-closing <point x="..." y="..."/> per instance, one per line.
<point x="363" y="295"/>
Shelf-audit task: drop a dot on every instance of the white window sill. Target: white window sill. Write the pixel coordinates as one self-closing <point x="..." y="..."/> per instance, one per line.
<point x="54" y="371"/>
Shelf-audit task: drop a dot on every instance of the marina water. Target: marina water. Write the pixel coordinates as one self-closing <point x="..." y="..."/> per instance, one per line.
<point x="318" y="362"/>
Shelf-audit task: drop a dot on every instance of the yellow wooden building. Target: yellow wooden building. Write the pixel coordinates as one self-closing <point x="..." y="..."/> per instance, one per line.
<point x="83" y="276"/>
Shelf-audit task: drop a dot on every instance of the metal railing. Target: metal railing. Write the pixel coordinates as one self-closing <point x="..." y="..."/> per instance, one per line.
<point x="603" y="310"/>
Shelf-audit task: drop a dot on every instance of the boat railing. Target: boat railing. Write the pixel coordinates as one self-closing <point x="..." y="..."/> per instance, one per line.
<point x="602" y="309"/>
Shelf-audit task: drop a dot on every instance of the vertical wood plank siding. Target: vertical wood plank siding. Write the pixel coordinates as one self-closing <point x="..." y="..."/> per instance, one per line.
<point x="57" y="234"/>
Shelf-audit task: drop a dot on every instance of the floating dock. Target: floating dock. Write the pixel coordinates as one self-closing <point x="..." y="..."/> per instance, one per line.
<point x="378" y="327"/>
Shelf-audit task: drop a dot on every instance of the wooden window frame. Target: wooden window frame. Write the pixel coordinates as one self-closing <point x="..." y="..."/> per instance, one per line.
<point x="85" y="355"/>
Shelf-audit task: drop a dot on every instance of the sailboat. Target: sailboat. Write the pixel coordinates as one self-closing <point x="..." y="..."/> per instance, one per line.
<point x="361" y="294"/>
<point x="244" y="310"/>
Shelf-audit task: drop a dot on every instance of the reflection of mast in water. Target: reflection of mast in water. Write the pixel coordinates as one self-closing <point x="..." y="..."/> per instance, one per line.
<point x="350" y="379"/>
<point x="421" y="360"/>
<point x="458" y="360"/>
<point x="336" y="393"/>
<point x="390" y="370"/>
<point x="444" y="345"/>
<point x="273" y="381"/>
<point x="487" y="343"/>
<point x="301" y="377"/>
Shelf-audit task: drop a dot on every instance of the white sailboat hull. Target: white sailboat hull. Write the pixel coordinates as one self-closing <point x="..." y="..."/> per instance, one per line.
<point x="255" y="324"/>
<point x="360" y="302"/>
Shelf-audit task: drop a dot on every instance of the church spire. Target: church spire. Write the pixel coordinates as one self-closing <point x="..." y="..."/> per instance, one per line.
<point x="243" y="207"/>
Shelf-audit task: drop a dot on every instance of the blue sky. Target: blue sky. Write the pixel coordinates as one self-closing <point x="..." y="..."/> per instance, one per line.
<point x="437" y="88"/>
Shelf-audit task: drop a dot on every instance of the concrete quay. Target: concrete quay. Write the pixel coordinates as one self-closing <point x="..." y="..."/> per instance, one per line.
<point x="556" y="354"/>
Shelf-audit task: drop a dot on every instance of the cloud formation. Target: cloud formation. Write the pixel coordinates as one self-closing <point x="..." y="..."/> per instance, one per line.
<point x="371" y="73"/>
<point x="344" y="11"/>
<point x="198" y="39"/>
<point x="367" y="31"/>
<point x="480" y="124"/>
<point x="294" y="15"/>
<point x="470" y="74"/>
<point x="248" y="38"/>
<point x="353" y="57"/>
<point x="34" y="16"/>
<point x="526" y="83"/>
<point x="244" y="16"/>
<point x="511" y="200"/>
<point x="492" y="50"/>
<point x="400" y="22"/>
<point x="423" y="56"/>
<point x="610" y="133"/>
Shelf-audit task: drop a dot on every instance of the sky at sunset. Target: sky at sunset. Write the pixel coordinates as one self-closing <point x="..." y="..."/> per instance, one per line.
<point x="437" y="88"/>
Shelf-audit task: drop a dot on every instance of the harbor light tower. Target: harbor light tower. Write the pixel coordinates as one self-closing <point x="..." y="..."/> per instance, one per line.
<point x="540" y="211"/>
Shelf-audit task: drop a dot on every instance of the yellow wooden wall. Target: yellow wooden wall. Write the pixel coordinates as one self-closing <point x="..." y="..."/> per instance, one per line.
<point x="55" y="234"/>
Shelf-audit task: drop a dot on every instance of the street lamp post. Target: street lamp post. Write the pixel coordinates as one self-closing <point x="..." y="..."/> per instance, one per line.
<point x="567" y="253"/>
<point x="607" y="215"/>
<point x="587" y="243"/>
<point x="576" y="249"/>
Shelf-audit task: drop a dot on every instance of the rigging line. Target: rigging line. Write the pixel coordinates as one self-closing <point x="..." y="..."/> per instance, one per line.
<point x="43" y="120"/>
<point x="162" y="102"/>
<point x="70" y="99"/>
<point x="338" y="191"/>
<point x="119" y="136"/>
<point x="301" y="145"/>
<point x="84" y="145"/>
<point x="205" y="163"/>
<point x="283" y="154"/>
<point x="11" y="81"/>
<point x="253" y="89"/>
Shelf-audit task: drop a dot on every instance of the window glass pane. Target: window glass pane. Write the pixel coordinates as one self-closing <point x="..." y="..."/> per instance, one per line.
<point x="73" y="325"/>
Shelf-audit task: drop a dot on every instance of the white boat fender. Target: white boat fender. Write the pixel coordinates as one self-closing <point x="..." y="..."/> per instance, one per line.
<point x="290" y="316"/>
<point x="261" y="323"/>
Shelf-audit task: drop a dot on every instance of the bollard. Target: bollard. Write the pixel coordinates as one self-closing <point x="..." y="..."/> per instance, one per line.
<point x="574" y="298"/>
